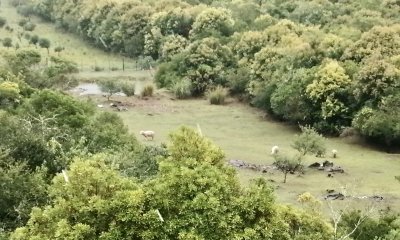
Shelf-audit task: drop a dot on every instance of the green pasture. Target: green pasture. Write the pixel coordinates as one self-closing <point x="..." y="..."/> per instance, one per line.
<point x="247" y="134"/>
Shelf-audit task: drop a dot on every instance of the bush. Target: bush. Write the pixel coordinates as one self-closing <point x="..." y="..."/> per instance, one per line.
<point x="34" y="39"/>
<point x="3" y="22"/>
<point x="146" y="63"/>
<point x="22" y="22"/>
<point x="128" y="88"/>
<point x="218" y="95"/>
<point x="182" y="89"/>
<point x="98" y="69"/>
<point x="7" y="42"/>
<point x="147" y="91"/>
<point x="29" y="26"/>
<point x="58" y="49"/>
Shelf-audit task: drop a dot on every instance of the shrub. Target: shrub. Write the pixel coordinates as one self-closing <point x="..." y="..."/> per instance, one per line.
<point x="182" y="89"/>
<point x="7" y="42"/>
<point x="128" y="88"/>
<point x="22" y="22"/>
<point x="58" y="49"/>
<point x="148" y="91"/>
<point x="34" y="39"/>
<point x="29" y="26"/>
<point x="3" y="22"/>
<point x="218" y="95"/>
<point x="114" y="68"/>
<point x="98" y="69"/>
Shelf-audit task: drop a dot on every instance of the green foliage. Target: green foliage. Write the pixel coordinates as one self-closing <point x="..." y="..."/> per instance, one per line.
<point x="217" y="96"/>
<point x="29" y="26"/>
<point x="34" y="39"/>
<point x="376" y="79"/>
<point x="7" y="42"/>
<point x="44" y="43"/>
<point x="182" y="89"/>
<point x="212" y="22"/>
<point x="287" y="164"/>
<point x="380" y="124"/>
<point x="109" y="86"/>
<point x="3" y="22"/>
<point x="9" y="92"/>
<point x="128" y="88"/>
<point x="147" y="91"/>
<point x="60" y="66"/>
<point x="371" y="228"/>
<point x="21" y="190"/>
<point x="309" y="142"/>
<point x="22" y="22"/>
<point x="59" y="49"/>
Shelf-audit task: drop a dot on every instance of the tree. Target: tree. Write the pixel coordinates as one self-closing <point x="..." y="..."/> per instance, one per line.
<point x="21" y="191"/>
<point x="376" y="79"/>
<point x="380" y="124"/>
<point x="110" y="87"/>
<point x="288" y="164"/>
<point x="3" y="22"/>
<point x="327" y="89"/>
<point x="212" y="21"/>
<point x="34" y="39"/>
<point x="309" y="142"/>
<point x="7" y="42"/>
<point x="58" y="49"/>
<point x="44" y="43"/>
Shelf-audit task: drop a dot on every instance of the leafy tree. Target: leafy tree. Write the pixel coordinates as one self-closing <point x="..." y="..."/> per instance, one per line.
<point x="380" y="124"/>
<point x="3" y="22"/>
<point x="34" y="39"/>
<point x="7" y="42"/>
<point x="327" y="89"/>
<point x="109" y="86"/>
<point x="288" y="164"/>
<point x="9" y="91"/>
<point x="59" y="49"/>
<point x="370" y="228"/>
<point x="212" y="21"/>
<point x="376" y="79"/>
<point x="309" y="142"/>
<point x="44" y="43"/>
<point x="21" y="191"/>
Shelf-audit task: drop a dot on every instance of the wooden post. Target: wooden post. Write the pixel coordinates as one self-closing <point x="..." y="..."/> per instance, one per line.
<point x="123" y="64"/>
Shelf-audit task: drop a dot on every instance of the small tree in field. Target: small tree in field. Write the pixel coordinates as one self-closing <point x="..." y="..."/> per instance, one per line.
<point x="34" y="39"/>
<point x="309" y="142"/>
<point x="3" y="22"/>
<point x="44" y="43"/>
<point x="7" y="42"/>
<point x="58" y="50"/>
<point x="287" y="164"/>
<point x="110" y="87"/>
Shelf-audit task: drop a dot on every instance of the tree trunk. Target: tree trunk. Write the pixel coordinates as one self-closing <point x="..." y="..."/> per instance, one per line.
<point x="285" y="175"/>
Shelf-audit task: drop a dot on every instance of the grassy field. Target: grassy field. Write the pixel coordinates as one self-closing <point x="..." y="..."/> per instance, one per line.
<point x="245" y="134"/>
